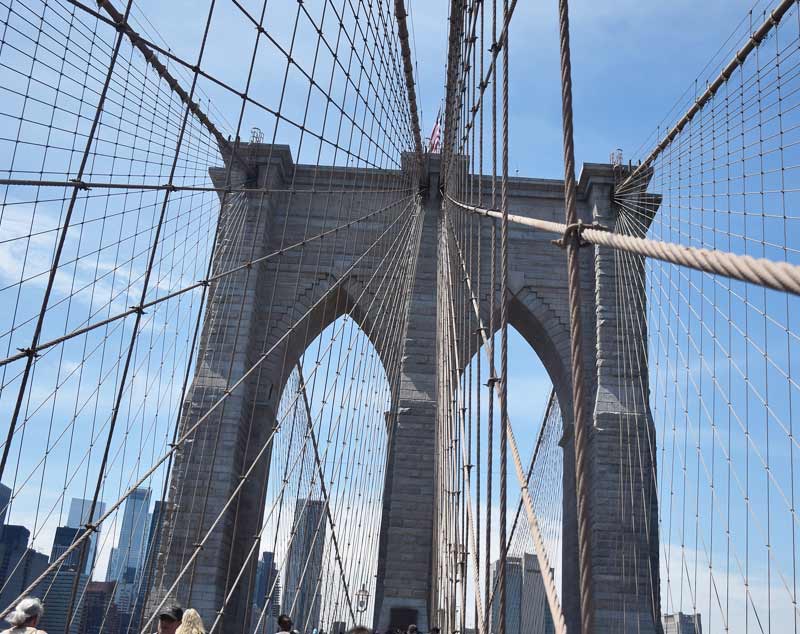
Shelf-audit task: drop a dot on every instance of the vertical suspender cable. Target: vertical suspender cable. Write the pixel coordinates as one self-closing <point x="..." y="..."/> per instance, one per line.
<point x="572" y="244"/>
<point x="504" y="338"/>
<point x="490" y="351"/>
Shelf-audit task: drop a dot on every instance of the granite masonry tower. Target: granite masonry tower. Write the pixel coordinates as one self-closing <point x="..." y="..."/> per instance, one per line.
<point x="538" y="310"/>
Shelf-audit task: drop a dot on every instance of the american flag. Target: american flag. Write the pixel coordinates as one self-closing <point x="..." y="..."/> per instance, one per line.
<point x="436" y="135"/>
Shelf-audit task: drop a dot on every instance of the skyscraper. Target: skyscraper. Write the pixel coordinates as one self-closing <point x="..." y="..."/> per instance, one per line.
<point x="266" y="572"/>
<point x="65" y="536"/>
<point x="513" y="596"/>
<point x="301" y="599"/>
<point x="100" y="615"/>
<point x="19" y="565"/>
<point x="681" y="623"/>
<point x="78" y="518"/>
<point x="29" y="568"/>
<point x="145" y="577"/>
<point x="527" y="611"/>
<point x="13" y="543"/>
<point x="130" y="550"/>
<point x="57" y="587"/>
<point x="267" y="591"/>
<point x="535" y="611"/>
<point x="5" y="498"/>
<point x="153" y="534"/>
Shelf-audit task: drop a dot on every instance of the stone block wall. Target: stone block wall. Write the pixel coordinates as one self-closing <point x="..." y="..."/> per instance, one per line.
<point x="273" y="310"/>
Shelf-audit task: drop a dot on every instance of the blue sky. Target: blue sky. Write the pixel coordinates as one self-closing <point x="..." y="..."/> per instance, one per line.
<point x="631" y="61"/>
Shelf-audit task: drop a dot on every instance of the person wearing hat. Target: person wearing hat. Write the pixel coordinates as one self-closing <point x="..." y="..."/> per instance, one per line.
<point x="412" y="629"/>
<point x="169" y="619"/>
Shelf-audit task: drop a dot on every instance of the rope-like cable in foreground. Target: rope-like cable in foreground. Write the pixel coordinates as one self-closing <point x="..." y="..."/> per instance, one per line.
<point x="779" y="276"/>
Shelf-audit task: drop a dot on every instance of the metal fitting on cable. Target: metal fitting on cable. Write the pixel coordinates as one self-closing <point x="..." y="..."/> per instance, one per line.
<point x="577" y="228"/>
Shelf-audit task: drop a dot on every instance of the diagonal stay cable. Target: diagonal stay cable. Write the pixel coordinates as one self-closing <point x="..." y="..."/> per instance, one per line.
<point x="132" y="345"/>
<point x="328" y="392"/>
<point x="541" y="553"/>
<point x="256" y="459"/>
<point x="238" y="188"/>
<point x="539" y="440"/>
<point x="315" y="447"/>
<point x="190" y="431"/>
<point x="465" y="466"/>
<point x="199" y="284"/>
<point x="249" y="99"/>
<point x="60" y="247"/>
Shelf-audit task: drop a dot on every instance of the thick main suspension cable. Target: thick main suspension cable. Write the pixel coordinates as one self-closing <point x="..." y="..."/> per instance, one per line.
<point x="188" y="100"/>
<point x="408" y="69"/>
<point x="738" y="60"/>
<point x="780" y="276"/>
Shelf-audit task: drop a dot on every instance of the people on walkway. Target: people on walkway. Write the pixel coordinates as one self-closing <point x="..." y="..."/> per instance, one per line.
<point x="25" y="617"/>
<point x="191" y="623"/>
<point x="284" y="623"/>
<point x="169" y="619"/>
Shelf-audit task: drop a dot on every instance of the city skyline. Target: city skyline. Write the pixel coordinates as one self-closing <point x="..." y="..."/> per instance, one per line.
<point x="114" y="605"/>
<point x="122" y="594"/>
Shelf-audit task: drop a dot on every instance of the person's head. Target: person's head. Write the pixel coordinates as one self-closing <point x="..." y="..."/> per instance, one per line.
<point x="27" y="613"/>
<point x="435" y="630"/>
<point x="358" y="629"/>
<point x="191" y="623"/>
<point x="285" y="623"/>
<point x="412" y="629"/>
<point x="169" y="619"/>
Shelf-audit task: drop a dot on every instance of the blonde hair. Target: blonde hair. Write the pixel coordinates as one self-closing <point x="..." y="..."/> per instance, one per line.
<point x="25" y="610"/>
<point x="191" y="623"/>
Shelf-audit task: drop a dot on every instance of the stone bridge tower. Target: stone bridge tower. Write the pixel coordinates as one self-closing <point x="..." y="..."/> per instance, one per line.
<point x="283" y="291"/>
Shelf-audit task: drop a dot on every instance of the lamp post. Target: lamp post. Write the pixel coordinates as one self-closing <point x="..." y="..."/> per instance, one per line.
<point x="362" y="598"/>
